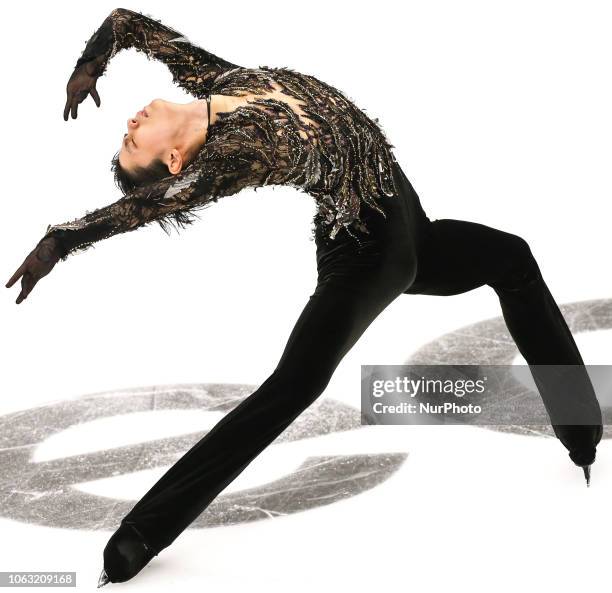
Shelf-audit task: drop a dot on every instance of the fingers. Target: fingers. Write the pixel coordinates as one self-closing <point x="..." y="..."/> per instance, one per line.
<point x="27" y="284"/>
<point x="16" y="275"/>
<point x="72" y="102"/>
<point x="67" y="108"/>
<point x="71" y="105"/>
<point x="74" y="98"/>
<point x="96" y="97"/>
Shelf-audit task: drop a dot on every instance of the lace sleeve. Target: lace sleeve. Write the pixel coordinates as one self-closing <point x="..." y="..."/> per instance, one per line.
<point x="193" y="68"/>
<point x="171" y="201"/>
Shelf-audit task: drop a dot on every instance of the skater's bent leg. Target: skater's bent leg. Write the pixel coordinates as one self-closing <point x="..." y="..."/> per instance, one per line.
<point x="459" y="256"/>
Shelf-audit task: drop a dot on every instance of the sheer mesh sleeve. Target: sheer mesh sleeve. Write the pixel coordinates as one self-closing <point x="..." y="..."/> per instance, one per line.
<point x="171" y="201"/>
<point x="193" y="68"/>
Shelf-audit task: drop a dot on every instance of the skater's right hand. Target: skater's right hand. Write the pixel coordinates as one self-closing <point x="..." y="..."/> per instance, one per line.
<point x="81" y="84"/>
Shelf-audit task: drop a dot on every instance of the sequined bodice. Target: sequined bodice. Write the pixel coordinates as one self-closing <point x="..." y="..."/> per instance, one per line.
<point x="291" y="129"/>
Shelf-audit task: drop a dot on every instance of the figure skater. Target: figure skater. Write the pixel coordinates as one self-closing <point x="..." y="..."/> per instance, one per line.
<point x="252" y="127"/>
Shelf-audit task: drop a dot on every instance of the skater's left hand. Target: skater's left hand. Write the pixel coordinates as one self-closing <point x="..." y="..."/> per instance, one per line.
<point x="81" y="84"/>
<point x="36" y="265"/>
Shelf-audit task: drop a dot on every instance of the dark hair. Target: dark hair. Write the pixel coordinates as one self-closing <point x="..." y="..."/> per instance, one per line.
<point x="126" y="181"/>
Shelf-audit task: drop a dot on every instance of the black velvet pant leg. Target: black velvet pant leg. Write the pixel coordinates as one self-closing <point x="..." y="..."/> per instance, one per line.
<point x="458" y="256"/>
<point x="355" y="284"/>
<point x="329" y="325"/>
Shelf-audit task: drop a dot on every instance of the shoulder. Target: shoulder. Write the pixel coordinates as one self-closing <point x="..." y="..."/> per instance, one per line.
<point x="255" y="79"/>
<point x="238" y="79"/>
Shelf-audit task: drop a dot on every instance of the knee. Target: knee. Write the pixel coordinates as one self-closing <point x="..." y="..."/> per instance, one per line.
<point x="303" y="385"/>
<point x="520" y="264"/>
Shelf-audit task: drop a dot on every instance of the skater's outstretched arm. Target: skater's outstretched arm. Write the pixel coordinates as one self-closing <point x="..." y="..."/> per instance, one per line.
<point x="193" y="68"/>
<point x="171" y="201"/>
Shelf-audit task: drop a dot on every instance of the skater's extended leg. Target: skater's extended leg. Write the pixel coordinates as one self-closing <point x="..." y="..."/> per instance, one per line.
<point x="347" y="299"/>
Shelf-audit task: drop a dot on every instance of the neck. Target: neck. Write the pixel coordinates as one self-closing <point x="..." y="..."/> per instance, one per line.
<point x="196" y="120"/>
<point x="195" y="126"/>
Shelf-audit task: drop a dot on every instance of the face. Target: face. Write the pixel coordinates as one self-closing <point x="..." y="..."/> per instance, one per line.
<point x="151" y="133"/>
